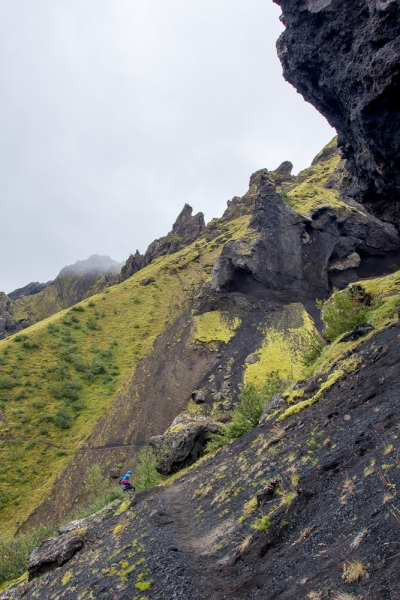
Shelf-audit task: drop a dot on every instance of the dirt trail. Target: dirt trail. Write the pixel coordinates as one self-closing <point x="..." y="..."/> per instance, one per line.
<point x="192" y="544"/>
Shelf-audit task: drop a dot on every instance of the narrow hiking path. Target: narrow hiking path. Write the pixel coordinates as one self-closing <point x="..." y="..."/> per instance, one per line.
<point x="189" y="541"/>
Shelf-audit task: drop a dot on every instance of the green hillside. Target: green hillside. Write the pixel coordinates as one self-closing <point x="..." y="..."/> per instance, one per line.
<point x="58" y="377"/>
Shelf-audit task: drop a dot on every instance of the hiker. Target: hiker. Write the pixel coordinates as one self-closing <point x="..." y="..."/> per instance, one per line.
<point x="126" y="482"/>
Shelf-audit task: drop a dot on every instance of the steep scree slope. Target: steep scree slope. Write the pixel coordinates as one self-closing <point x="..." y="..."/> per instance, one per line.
<point x="283" y="513"/>
<point x="344" y="58"/>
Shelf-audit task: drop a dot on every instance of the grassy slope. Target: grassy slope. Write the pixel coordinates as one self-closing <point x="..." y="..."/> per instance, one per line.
<point x="96" y="351"/>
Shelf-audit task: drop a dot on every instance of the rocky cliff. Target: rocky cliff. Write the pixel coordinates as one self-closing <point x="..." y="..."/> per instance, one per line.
<point x="344" y="58"/>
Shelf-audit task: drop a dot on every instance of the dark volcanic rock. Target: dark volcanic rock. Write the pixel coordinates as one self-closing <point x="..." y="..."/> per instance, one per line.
<point x="295" y="256"/>
<point x="285" y="168"/>
<point x="183" y="443"/>
<point x="132" y="266"/>
<point x="357" y="332"/>
<point x="54" y="553"/>
<point x="344" y="58"/>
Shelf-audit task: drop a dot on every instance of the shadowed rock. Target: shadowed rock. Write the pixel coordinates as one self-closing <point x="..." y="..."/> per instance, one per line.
<point x="344" y="58"/>
<point x="357" y="332"/>
<point x="29" y="290"/>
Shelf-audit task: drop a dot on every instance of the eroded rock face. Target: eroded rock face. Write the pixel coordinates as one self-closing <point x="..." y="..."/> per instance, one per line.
<point x="28" y="290"/>
<point x="344" y="58"/>
<point x="295" y="256"/>
<point x="8" y="324"/>
<point x="183" y="442"/>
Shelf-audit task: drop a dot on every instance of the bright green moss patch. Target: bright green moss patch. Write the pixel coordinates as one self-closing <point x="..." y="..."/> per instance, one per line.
<point x="287" y="336"/>
<point x="346" y="367"/>
<point x="67" y="577"/>
<point x="215" y="327"/>
<point x="309" y="192"/>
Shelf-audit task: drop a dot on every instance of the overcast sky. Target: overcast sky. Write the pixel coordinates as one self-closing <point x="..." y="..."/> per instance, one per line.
<point x="114" y="113"/>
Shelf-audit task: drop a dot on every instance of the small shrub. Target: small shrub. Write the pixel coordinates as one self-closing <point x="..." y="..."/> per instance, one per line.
<point x="92" y="324"/>
<point x="68" y="389"/>
<point x="100" y="492"/>
<point x="4" y="498"/>
<point x="38" y="404"/>
<point x="62" y="419"/>
<point x="91" y="303"/>
<point x="45" y="418"/>
<point x="30" y="345"/>
<point x="78" y="308"/>
<point x="262" y="524"/>
<point x="26" y="418"/>
<point x="144" y="471"/>
<point x="7" y="382"/>
<point x="247" y="412"/>
<point x="21" y="338"/>
<point x="353" y="571"/>
<point x="342" y="312"/>
<point x="315" y="348"/>
<point x="52" y="328"/>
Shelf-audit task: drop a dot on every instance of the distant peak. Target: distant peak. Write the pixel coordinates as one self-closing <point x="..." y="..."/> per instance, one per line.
<point x="93" y="264"/>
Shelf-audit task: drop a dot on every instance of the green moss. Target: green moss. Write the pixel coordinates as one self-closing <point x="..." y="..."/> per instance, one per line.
<point x="309" y="192"/>
<point x="67" y="577"/>
<point x="215" y="327"/>
<point x="286" y="337"/>
<point x="346" y="367"/>
<point x="125" y="505"/>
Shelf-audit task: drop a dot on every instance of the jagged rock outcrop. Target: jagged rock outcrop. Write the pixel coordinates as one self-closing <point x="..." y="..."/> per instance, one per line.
<point x="132" y="266"/>
<point x="183" y="442"/>
<point x="295" y="256"/>
<point x="185" y="230"/>
<point x="344" y="58"/>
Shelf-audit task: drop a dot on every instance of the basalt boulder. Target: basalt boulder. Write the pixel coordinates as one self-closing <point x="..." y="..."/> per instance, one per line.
<point x="54" y="553"/>
<point x="344" y="58"/>
<point x="183" y="443"/>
